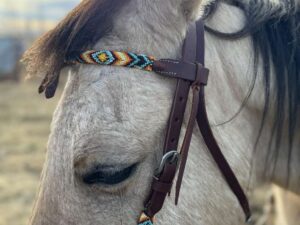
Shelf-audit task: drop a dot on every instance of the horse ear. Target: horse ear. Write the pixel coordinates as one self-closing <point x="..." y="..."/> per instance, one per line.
<point x="194" y="9"/>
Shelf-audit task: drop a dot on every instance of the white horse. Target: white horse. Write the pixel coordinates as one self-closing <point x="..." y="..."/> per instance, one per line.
<point x="110" y="118"/>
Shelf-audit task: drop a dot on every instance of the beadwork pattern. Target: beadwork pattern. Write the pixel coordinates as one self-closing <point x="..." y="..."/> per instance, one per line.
<point x="145" y="220"/>
<point x="115" y="58"/>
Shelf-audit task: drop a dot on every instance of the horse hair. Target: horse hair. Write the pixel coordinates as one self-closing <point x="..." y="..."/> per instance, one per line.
<point x="275" y="32"/>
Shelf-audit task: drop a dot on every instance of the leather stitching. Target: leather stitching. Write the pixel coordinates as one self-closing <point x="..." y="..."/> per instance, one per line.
<point x="167" y="73"/>
<point x="169" y="61"/>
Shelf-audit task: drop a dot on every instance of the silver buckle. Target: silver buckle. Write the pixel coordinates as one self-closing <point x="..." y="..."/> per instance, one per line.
<point x="170" y="157"/>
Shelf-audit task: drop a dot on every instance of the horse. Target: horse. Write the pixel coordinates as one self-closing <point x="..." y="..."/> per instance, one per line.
<point x="112" y="120"/>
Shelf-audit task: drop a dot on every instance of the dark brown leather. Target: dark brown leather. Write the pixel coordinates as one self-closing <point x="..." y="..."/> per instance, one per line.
<point x="208" y="136"/>
<point x="190" y="68"/>
<point x="176" y="115"/>
<point x="160" y="188"/>
<point x="218" y="156"/>
<point x="180" y="69"/>
<point x="188" y="137"/>
<point x="156" y="198"/>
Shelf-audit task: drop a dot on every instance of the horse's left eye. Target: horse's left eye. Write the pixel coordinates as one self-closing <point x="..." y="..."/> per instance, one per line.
<point x="108" y="175"/>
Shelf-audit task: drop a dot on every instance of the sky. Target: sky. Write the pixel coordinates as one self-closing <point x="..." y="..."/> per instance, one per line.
<point x="22" y="16"/>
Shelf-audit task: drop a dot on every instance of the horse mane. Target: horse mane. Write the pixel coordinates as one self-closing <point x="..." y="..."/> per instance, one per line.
<point x="275" y="31"/>
<point x="81" y="28"/>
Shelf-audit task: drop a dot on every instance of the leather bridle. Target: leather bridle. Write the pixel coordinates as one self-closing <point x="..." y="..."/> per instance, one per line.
<point x="191" y="75"/>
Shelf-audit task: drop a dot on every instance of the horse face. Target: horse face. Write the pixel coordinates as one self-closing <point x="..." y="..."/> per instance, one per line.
<point x="120" y="131"/>
<point x="106" y="142"/>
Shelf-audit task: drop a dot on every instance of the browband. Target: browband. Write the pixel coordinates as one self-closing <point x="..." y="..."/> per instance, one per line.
<point x="191" y="75"/>
<point x="168" y="67"/>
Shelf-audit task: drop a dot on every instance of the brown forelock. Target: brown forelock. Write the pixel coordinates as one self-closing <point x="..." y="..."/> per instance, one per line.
<point x="81" y="28"/>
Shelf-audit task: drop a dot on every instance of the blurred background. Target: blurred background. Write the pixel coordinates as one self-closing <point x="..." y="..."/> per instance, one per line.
<point x="25" y="116"/>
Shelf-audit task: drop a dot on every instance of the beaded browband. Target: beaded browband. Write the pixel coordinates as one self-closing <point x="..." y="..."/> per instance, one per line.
<point x="167" y="67"/>
<point x="115" y="58"/>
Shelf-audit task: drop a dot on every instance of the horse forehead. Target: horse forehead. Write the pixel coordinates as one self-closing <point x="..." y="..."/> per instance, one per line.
<point x="113" y="99"/>
<point x="123" y="89"/>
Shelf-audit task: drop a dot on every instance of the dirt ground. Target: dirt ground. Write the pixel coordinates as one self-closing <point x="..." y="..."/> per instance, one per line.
<point x="24" y="128"/>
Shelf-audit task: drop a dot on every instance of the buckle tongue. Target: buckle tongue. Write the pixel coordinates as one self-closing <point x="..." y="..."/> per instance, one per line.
<point x="171" y="158"/>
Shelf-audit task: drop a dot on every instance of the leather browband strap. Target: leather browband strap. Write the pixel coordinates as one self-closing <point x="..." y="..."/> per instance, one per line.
<point x="191" y="73"/>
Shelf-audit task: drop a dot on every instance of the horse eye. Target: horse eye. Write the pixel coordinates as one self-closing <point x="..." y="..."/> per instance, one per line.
<point x="108" y="175"/>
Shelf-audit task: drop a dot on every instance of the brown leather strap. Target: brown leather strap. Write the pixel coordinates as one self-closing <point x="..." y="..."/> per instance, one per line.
<point x="209" y="138"/>
<point x="161" y="186"/>
<point x="187" y="139"/>
<point x="181" y="93"/>
<point x="218" y="156"/>
<point x="156" y="198"/>
<point x="176" y="115"/>
<point x="180" y="69"/>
